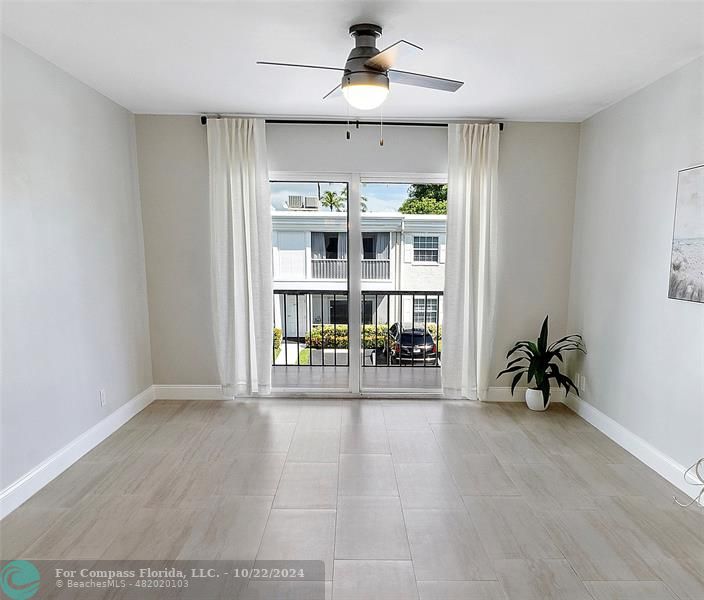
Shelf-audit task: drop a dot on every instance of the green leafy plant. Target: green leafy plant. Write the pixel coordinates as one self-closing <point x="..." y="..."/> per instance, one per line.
<point x="428" y="190"/>
<point x="423" y="206"/>
<point x="338" y="336"/>
<point x="332" y="201"/>
<point x="538" y="361"/>
<point x="435" y="330"/>
<point x="362" y="200"/>
<point x="329" y="336"/>
<point x="425" y="199"/>
<point x="277" y="341"/>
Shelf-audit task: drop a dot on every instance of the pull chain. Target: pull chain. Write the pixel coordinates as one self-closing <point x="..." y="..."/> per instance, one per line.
<point x="381" y="126"/>
<point x="348" y="121"/>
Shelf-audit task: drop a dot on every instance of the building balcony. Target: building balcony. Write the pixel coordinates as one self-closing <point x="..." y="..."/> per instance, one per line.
<point x="328" y="268"/>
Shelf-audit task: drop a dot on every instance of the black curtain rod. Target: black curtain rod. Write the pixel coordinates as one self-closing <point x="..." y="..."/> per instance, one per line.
<point x="355" y="122"/>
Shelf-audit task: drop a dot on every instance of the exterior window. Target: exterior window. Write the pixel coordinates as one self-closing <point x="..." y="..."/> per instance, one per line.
<point x="338" y="312"/>
<point x="425" y="248"/>
<point x="368" y="247"/>
<point x="419" y="310"/>
<point x="375" y="246"/>
<point x="331" y="245"/>
<point x="367" y="312"/>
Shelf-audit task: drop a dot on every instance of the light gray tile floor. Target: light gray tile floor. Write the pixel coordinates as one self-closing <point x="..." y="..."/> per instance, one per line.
<point x="427" y="499"/>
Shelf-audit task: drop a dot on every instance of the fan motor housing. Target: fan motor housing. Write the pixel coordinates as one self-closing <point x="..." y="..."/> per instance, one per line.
<point x="366" y="77"/>
<point x="356" y="72"/>
<point x="365" y="34"/>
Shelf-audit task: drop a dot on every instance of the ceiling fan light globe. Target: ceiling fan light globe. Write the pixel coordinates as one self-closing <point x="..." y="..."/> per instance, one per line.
<point x="365" y="96"/>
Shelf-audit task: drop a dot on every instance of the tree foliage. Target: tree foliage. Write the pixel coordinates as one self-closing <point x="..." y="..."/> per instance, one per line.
<point x="436" y="191"/>
<point x="362" y="200"/>
<point x="423" y="206"/>
<point x="333" y="201"/>
<point x="425" y="199"/>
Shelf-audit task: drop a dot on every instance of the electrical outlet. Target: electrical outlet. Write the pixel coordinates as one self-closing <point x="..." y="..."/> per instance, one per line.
<point x="102" y="401"/>
<point x="583" y="386"/>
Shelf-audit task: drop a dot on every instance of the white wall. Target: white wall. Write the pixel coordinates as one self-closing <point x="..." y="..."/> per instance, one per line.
<point x="422" y="275"/>
<point x="645" y="367"/>
<point x="173" y="178"/>
<point x="537" y="187"/>
<point x="537" y="174"/>
<point x="324" y="148"/>
<point x="74" y="307"/>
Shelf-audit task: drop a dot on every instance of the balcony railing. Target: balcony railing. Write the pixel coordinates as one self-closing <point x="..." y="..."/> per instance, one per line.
<point x="329" y="268"/>
<point x="336" y="268"/>
<point x="375" y="269"/>
<point x="399" y="328"/>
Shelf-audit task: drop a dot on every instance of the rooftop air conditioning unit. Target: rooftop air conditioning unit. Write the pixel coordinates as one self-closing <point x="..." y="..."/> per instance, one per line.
<point x="303" y="203"/>
<point x="295" y="202"/>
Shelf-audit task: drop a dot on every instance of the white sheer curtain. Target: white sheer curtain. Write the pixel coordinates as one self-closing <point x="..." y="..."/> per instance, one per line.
<point x="381" y="245"/>
<point x="317" y="244"/>
<point x="240" y="244"/>
<point x="342" y="246"/>
<point x="470" y="268"/>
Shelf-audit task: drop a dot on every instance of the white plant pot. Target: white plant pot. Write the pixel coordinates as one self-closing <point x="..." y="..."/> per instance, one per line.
<point x="534" y="399"/>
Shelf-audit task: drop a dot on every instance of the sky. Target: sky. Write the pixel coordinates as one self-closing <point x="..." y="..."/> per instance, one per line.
<point x="381" y="197"/>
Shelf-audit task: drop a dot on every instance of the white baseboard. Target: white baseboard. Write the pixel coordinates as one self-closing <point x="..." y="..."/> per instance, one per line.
<point x="662" y="464"/>
<point x="503" y="394"/>
<point x="214" y="392"/>
<point x="189" y="392"/>
<point x="30" y="483"/>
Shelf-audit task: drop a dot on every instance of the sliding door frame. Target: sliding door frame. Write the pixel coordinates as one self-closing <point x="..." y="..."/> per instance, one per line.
<point x="354" y="183"/>
<point x="409" y="178"/>
<point x="354" y="269"/>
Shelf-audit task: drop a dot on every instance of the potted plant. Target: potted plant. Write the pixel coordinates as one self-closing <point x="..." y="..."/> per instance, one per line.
<point x="539" y="363"/>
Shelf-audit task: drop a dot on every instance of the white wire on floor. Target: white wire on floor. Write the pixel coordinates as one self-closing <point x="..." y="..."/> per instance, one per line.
<point x="694" y="476"/>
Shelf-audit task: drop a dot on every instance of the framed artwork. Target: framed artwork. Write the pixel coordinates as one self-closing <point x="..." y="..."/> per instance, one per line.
<point x="687" y="259"/>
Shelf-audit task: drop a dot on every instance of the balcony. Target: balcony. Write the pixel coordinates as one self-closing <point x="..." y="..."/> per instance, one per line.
<point x="329" y="268"/>
<point x="399" y="328"/>
<point x="401" y="339"/>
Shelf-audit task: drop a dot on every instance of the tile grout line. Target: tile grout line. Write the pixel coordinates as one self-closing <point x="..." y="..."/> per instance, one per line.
<point x="469" y="431"/>
<point x="400" y="501"/>
<point x="278" y="483"/>
<point x="337" y="508"/>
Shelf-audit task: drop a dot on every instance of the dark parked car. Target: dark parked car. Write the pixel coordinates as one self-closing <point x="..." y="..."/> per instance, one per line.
<point x="414" y="346"/>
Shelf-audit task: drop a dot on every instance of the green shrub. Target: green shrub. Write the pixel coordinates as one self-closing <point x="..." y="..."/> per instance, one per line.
<point x="435" y="330"/>
<point x="372" y="337"/>
<point x="277" y="340"/>
<point x="335" y="336"/>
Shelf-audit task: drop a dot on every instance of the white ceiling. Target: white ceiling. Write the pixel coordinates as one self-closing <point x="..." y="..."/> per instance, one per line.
<point x="520" y="61"/>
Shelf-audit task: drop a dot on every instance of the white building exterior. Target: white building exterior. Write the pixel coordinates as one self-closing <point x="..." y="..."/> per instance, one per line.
<point x="401" y="253"/>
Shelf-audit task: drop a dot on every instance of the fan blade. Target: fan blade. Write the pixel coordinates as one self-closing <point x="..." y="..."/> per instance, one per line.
<point x="388" y="56"/>
<point x="336" y="91"/>
<point x="426" y="81"/>
<point x="279" y="64"/>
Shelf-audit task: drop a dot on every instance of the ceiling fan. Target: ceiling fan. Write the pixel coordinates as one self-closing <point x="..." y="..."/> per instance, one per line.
<point x="368" y="70"/>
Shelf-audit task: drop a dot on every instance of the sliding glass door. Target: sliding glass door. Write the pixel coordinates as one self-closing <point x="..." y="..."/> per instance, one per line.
<point x="403" y="227"/>
<point x="310" y="283"/>
<point x="358" y="275"/>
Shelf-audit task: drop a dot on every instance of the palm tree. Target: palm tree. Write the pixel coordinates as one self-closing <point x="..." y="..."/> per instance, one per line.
<point x="332" y="201"/>
<point x="363" y="200"/>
